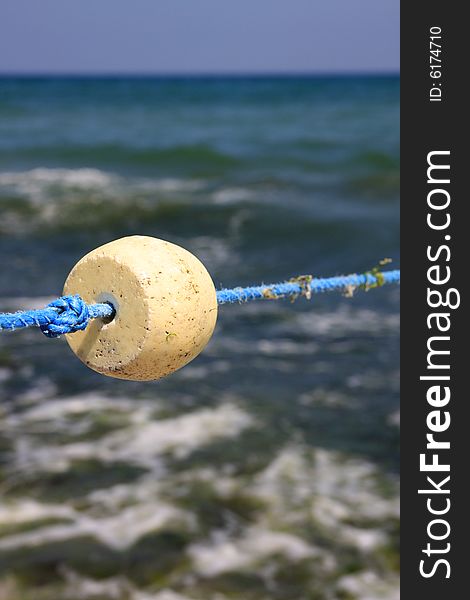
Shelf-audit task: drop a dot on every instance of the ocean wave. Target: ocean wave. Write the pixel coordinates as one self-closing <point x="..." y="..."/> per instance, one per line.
<point x="43" y="177"/>
<point x="59" y="201"/>
<point x="40" y="183"/>
<point x="183" y="157"/>
<point x="77" y="199"/>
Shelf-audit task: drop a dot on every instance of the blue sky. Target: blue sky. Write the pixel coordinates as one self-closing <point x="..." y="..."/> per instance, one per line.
<point x="198" y="36"/>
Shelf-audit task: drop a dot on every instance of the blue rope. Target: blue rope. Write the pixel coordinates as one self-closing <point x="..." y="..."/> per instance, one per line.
<point x="71" y="313"/>
<point x="302" y="286"/>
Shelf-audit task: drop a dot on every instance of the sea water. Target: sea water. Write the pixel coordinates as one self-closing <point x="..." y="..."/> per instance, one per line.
<point x="267" y="468"/>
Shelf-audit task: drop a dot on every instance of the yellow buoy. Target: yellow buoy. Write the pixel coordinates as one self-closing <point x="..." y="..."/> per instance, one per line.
<point x="165" y="308"/>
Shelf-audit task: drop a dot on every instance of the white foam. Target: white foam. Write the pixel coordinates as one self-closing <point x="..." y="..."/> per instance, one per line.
<point x="325" y="397"/>
<point x="166" y="595"/>
<point x="178" y="436"/>
<point x="25" y="510"/>
<point x="333" y="489"/>
<point x="140" y="443"/>
<point x="286" y="481"/>
<point x="171" y="185"/>
<point x="37" y="184"/>
<point x="342" y="495"/>
<point x="366" y="585"/>
<point x="224" y="554"/>
<point x="114" y="588"/>
<point x="84" y="404"/>
<point x="119" y="531"/>
<point x="73" y="177"/>
<point x="231" y="195"/>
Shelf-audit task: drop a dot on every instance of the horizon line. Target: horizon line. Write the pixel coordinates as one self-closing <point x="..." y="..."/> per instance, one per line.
<point x="198" y="74"/>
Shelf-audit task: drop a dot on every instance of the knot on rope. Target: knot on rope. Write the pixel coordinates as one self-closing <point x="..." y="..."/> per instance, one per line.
<point x="72" y="315"/>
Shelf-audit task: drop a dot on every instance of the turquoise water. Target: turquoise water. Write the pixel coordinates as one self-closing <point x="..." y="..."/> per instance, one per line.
<point x="267" y="468"/>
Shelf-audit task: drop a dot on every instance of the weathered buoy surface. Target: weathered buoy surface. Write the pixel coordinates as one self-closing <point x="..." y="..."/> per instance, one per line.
<point x="165" y="308"/>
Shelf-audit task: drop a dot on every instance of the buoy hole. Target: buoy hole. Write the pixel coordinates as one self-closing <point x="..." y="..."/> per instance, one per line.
<point x="112" y="316"/>
<point x="107" y="298"/>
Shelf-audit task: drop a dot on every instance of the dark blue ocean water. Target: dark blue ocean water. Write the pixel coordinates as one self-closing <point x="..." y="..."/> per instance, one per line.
<point x="267" y="467"/>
